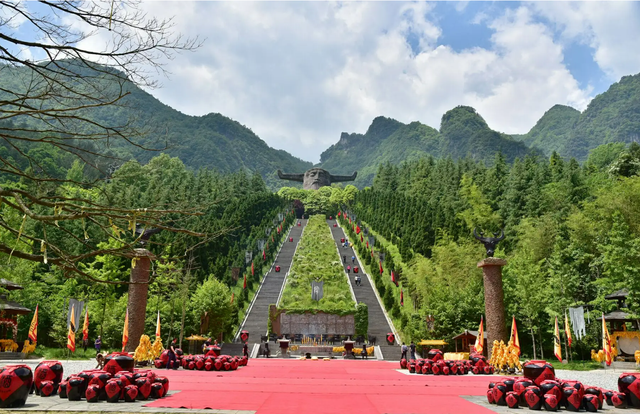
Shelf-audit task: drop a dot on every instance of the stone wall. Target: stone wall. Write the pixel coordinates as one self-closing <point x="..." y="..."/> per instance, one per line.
<point x="314" y="324"/>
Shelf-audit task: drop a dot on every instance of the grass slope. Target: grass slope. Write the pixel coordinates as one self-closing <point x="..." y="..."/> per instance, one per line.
<point x="317" y="259"/>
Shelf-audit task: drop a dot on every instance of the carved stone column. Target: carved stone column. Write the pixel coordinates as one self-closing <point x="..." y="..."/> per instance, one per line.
<point x="137" y="301"/>
<point x="493" y="301"/>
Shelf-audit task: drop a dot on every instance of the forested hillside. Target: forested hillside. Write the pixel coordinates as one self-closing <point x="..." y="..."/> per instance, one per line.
<point x="234" y="211"/>
<point x="613" y="116"/>
<point x="212" y="141"/>
<point x="462" y="133"/>
<point x="572" y="237"/>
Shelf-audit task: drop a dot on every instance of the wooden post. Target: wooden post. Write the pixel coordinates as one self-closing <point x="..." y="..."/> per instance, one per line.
<point x="493" y="300"/>
<point x="137" y="302"/>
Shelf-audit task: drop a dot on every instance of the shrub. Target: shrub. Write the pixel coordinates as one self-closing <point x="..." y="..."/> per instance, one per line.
<point x="362" y="319"/>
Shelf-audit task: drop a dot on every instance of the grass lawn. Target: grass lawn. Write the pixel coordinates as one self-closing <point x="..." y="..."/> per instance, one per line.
<point x="63" y="354"/>
<point x="576" y="365"/>
<point x="317" y="260"/>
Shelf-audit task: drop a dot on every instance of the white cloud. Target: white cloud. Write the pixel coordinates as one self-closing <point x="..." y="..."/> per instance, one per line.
<point x="298" y="73"/>
<point x="612" y="29"/>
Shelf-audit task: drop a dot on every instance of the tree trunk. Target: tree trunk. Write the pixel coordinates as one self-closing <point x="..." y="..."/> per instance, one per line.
<point x="541" y="347"/>
<point x="104" y="310"/>
<point x="173" y="306"/>
<point x="533" y="342"/>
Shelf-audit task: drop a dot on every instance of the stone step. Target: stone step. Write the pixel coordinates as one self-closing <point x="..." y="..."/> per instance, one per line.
<point x="378" y="325"/>
<point x="257" y="320"/>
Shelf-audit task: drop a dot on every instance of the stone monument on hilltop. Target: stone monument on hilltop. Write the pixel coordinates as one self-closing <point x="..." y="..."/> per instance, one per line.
<point x="493" y="291"/>
<point x="316" y="178"/>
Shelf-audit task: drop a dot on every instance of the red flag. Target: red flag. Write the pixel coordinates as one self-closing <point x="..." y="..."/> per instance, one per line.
<point x="272" y="238"/>
<point x="362" y="239"/>
<point x="339" y="213"/>
<point x="567" y="330"/>
<point x="244" y="286"/>
<point x="232" y="295"/>
<point x="252" y="271"/>
<point x="264" y="255"/>
<point x="371" y="252"/>
<point x="278" y="229"/>
<point x="381" y="271"/>
<point x="357" y="229"/>
<point x="33" y="329"/>
<point x="393" y="279"/>
<point x="367" y="244"/>
<point x="353" y="227"/>
<point x="401" y="297"/>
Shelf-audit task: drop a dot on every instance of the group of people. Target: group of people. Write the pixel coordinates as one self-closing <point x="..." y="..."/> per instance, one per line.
<point x="405" y="349"/>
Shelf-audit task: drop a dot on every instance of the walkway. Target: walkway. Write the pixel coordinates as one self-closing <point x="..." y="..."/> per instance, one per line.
<point x="257" y="321"/>
<point x="378" y="325"/>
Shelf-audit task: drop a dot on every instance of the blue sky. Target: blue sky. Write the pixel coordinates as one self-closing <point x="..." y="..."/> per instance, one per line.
<point x="301" y="73"/>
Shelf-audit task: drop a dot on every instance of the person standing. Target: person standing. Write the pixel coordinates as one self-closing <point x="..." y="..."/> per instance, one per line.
<point x="171" y="355"/>
<point x="413" y="350"/>
<point x="98" y="344"/>
<point x="364" y="351"/>
<point x="353" y="259"/>
<point x="348" y="269"/>
<point x="245" y="350"/>
<point x="404" y="351"/>
<point x="344" y="259"/>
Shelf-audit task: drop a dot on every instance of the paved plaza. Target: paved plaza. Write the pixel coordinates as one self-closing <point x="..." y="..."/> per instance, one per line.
<point x="281" y="386"/>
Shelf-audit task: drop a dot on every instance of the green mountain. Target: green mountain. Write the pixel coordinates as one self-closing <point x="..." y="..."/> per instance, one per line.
<point x="212" y="140"/>
<point x="613" y="116"/>
<point x="553" y="130"/>
<point x="462" y="133"/>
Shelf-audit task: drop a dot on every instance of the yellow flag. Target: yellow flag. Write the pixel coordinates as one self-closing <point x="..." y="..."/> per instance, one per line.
<point x="33" y="329"/>
<point x="514" y="336"/>
<point x="71" y="335"/>
<point x="557" y="349"/>
<point x="480" y="339"/>
<point x="158" y="326"/>
<point x="606" y="343"/>
<point x="85" y="327"/>
<point x="125" y="331"/>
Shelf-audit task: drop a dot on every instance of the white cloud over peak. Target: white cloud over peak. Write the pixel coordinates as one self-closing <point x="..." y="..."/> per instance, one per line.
<point x="299" y="73"/>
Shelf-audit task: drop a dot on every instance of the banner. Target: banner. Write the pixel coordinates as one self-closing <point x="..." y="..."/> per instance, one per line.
<point x="77" y="307"/>
<point x="372" y="241"/>
<point x="557" y="348"/>
<point x="317" y="290"/>
<point x="85" y="326"/>
<point x="567" y="330"/>
<point x="71" y="335"/>
<point x="33" y="329"/>
<point x="606" y="343"/>
<point x="479" y="346"/>
<point x="248" y="257"/>
<point x="125" y="331"/>
<point x="158" y="326"/>
<point x="514" y="336"/>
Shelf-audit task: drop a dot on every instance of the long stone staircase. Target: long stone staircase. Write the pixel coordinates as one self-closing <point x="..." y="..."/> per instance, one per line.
<point x="378" y="324"/>
<point x="257" y="319"/>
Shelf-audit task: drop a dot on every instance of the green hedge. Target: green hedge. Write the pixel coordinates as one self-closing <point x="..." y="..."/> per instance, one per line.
<point x="317" y="259"/>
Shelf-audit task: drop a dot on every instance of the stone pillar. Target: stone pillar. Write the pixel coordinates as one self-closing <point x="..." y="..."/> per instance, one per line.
<point x="495" y="328"/>
<point x="137" y="302"/>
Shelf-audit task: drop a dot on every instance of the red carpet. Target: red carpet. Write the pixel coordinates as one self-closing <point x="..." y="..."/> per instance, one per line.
<point x="323" y="387"/>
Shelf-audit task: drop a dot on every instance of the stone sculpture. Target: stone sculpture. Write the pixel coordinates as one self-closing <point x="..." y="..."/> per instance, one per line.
<point x="316" y="178"/>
